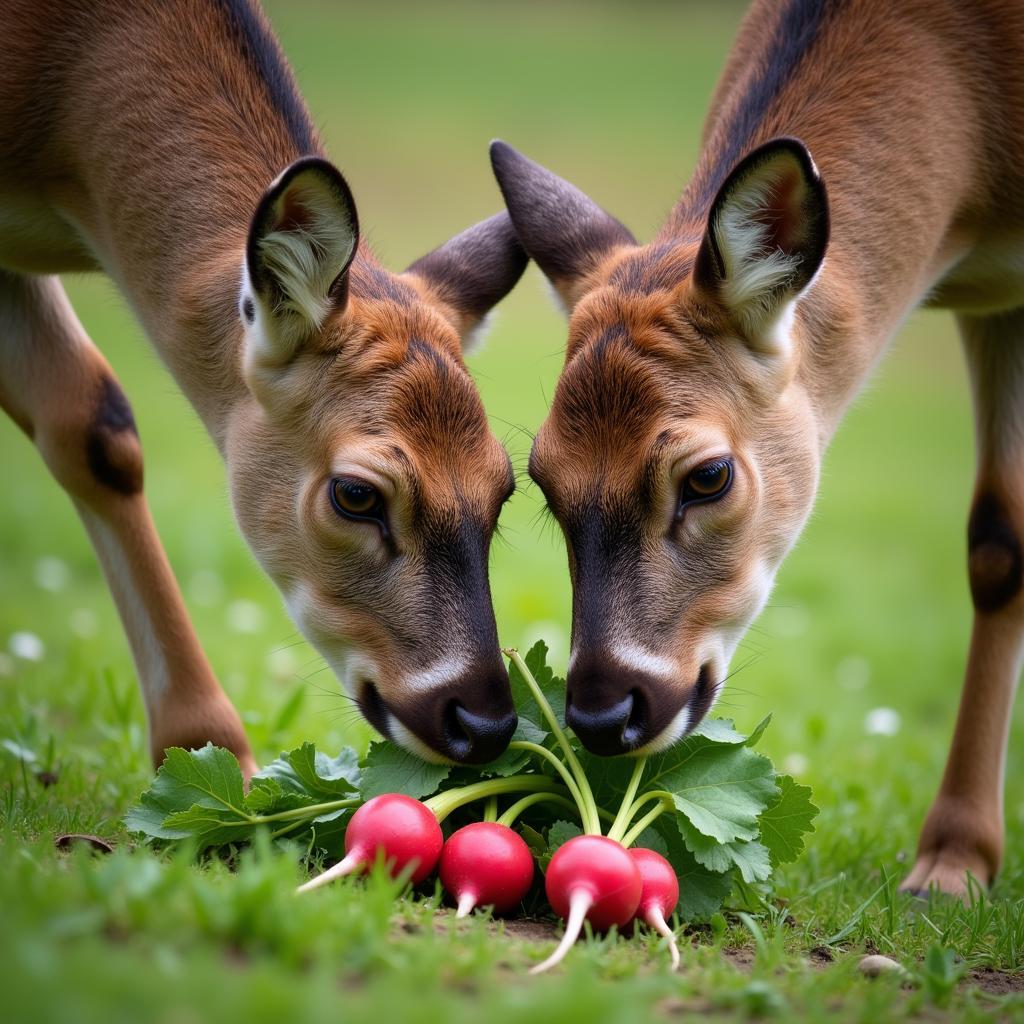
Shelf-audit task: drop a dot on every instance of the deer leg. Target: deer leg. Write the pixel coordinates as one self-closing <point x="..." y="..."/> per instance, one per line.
<point x="963" y="832"/>
<point x="60" y="390"/>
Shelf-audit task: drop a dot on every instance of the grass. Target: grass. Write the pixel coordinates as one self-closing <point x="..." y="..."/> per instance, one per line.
<point x="871" y="612"/>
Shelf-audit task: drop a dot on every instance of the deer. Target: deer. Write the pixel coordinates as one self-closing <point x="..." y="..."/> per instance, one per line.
<point x="165" y="143"/>
<point x="859" y="159"/>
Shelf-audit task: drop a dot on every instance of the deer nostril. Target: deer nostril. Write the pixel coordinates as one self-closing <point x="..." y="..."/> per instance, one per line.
<point x="456" y="740"/>
<point x="475" y="739"/>
<point x="634" y="733"/>
<point x="604" y="730"/>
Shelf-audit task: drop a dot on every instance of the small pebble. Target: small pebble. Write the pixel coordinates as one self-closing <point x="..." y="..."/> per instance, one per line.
<point x="875" y="965"/>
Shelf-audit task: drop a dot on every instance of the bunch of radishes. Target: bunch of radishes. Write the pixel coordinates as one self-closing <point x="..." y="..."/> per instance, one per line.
<point x="592" y="877"/>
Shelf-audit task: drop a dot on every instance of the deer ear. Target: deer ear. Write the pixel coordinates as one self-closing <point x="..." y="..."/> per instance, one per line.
<point x="302" y="239"/>
<point x="766" y="238"/>
<point x="564" y="230"/>
<point x="472" y="272"/>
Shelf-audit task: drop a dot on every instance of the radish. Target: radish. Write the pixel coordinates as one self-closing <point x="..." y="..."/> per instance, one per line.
<point x="401" y="830"/>
<point x="658" y="896"/>
<point x="593" y="878"/>
<point x="486" y="864"/>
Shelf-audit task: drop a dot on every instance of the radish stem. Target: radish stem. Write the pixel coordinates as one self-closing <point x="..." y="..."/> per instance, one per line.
<point x="302" y="813"/>
<point x="656" y="919"/>
<point x="445" y="803"/>
<point x="567" y="777"/>
<point x="491" y="809"/>
<point x="623" y="818"/>
<point x="634" y="833"/>
<point x="579" y="903"/>
<point x="296" y="815"/>
<point x="654" y="794"/>
<point x="513" y="812"/>
<point x="591" y="820"/>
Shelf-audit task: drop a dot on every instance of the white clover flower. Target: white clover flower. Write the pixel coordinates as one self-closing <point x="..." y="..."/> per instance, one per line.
<point x="882" y="722"/>
<point x="245" y="617"/>
<point x="206" y="588"/>
<point x="26" y="646"/>
<point x="52" y="574"/>
<point x="83" y="623"/>
<point x="283" y="661"/>
<point x="853" y="672"/>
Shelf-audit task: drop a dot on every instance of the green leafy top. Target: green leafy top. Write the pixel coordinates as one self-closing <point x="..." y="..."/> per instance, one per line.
<point x="711" y="804"/>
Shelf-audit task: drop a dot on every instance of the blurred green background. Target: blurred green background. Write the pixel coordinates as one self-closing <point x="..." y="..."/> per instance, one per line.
<point x="871" y="614"/>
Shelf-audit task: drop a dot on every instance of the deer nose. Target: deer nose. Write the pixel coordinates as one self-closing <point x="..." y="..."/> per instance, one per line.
<point x="471" y="738"/>
<point x="469" y="719"/>
<point x="611" y="729"/>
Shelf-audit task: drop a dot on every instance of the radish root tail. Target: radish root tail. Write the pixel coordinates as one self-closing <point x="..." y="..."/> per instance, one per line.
<point x="344" y="867"/>
<point x="467" y="901"/>
<point x="656" y="920"/>
<point x="579" y="903"/>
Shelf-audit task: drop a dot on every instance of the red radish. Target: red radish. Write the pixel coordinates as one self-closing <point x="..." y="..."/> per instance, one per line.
<point x="659" y="895"/>
<point x="401" y="830"/>
<point x="486" y="864"/>
<point x="590" y="878"/>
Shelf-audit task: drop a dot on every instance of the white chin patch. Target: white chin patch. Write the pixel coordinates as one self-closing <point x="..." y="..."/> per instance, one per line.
<point x="672" y="733"/>
<point x="407" y="739"/>
<point x="677" y="728"/>
<point x="354" y="670"/>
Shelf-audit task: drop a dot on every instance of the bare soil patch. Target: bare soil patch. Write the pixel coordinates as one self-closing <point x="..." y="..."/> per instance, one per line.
<point x="997" y="983"/>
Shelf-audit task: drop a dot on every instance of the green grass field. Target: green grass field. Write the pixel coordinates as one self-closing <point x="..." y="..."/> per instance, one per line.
<point x="871" y="612"/>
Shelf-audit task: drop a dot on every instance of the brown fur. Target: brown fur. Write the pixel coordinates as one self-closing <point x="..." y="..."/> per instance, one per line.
<point x="139" y="138"/>
<point x="911" y="112"/>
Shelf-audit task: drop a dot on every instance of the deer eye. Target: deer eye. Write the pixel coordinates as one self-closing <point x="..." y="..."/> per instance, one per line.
<point x="356" y="499"/>
<point x="708" y="481"/>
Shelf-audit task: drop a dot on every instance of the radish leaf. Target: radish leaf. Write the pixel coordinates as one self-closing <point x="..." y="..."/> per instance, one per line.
<point x="304" y="770"/>
<point x="701" y="891"/>
<point x="559" y="833"/>
<point x="195" y="793"/>
<point x="388" y="768"/>
<point x="785" y="821"/>
<point x="720" y="788"/>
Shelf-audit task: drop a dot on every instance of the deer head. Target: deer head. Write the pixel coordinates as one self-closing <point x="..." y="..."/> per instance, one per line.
<point x="363" y="472"/>
<point x="680" y="455"/>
